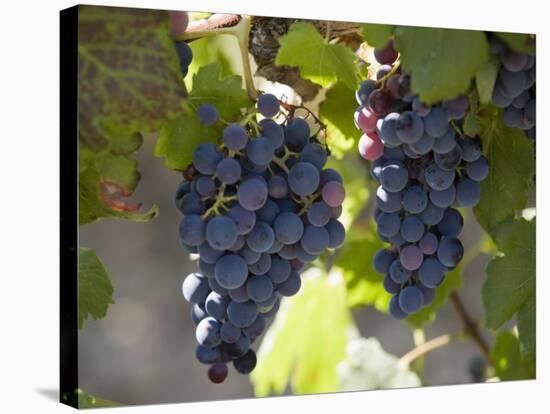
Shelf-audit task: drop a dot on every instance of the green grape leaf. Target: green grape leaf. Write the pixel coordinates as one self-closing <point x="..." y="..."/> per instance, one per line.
<point x="486" y="77"/>
<point x="225" y="93"/>
<point x="511" y="169"/>
<point x="95" y="292"/>
<point x="363" y="284"/>
<point x="99" y="197"/>
<point x="211" y="50"/>
<point x="511" y="276"/>
<point x="336" y="112"/>
<point x="452" y="281"/>
<point x="527" y="328"/>
<point x="442" y="62"/>
<point x="119" y="169"/>
<point x="179" y="137"/>
<point x="128" y="70"/>
<point x="319" y="61"/>
<point x="376" y="35"/>
<point x="290" y="353"/>
<point x="521" y="42"/>
<point x="506" y="358"/>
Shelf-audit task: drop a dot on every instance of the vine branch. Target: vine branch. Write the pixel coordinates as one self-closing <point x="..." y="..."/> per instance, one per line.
<point x="428" y="346"/>
<point x="470" y="326"/>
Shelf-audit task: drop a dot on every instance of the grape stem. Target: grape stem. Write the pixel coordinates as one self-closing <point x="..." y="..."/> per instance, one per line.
<point x="218" y="26"/>
<point x="384" y="78"/>
<point x="471" y="327"/>
<point x="221" y="200"/>
<point x="428" y="346"/>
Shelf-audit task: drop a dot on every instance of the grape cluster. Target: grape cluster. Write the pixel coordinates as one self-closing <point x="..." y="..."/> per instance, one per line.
<point x="514" y="90"/>
<point x="425" y="167"/>
<point x="256" y="209"/>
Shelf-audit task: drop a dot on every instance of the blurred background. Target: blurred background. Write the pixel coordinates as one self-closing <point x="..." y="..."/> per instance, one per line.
<point x="143" y="351"/>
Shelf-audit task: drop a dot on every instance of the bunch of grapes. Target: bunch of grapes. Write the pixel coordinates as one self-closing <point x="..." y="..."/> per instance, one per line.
<point x="515" y="89"/>
<point x="256" y="209"/>
<point x="425" y="167"/>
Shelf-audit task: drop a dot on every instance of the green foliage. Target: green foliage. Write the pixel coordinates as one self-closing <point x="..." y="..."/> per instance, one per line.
<point x="521" y="42"/>
<point x="319" y="61"/>
<point x="506" y="358"/>
<point x="179" y="136"/>
<point x="95" y="292"/>
<point x="442" y="62"/>
<point x="510" y="284"/>
<point x="99" y="197"/>
<point x="290" y="353"/>
<point x="210" y="50"/>
<point x="486" y="77"/>
<point x="363" y="284"/>
<point x="336" y="113"/>
<point x="128" y="70"/>
<point x="511" y="169"/>
<point x="376" y="35"/>
<point x="527" y="326"/>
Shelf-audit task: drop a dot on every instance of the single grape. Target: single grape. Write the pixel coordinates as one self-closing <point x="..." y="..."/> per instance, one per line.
<point x="380" y="101"/>
<point x="471" y="149"/>
<point x="185" y="55"/>
<point x="208" y="332"/>
<point x="231" y="271"/>
<point x="297" y="134"/>
<point x="192" y="230"/>
<point x="268" y="105"/>
<point x="451" y="224"/>
<point x="228" y="171"/>
<point x="198" y="313"/>
<point x="468" y="192"/>
<point x="390" y="286"/>
<point x="333" y="193"/>
<point x="221" y="232"/>
<point x="288" y="228"/>
<point x="243" y="219"/>
<point x="513" y="61"/>
<point x="414" y="199"/>
<point x="206" y="158"/>
<point x="303" y="178"/>
<point x="273" y="131"/>
<point x="239" y="295"/>
<point x="336" y="233"/>
<point x="319" y="213"/>
<point x="329" y="174"/>
<point x="411" y="299"/>
<point x="277" y="186"/>
<point x="268" y="212"/>
<point x="314" y="154"/>
<point x="436" y="122"/>
<point x="456" y="108"/>
<point x="412" y="229"/>
<point x="428" y="243"/>
<point x="370" y="147"/>
<point x="445" y="143"/>
<point x="245" y="364"/>
<point x="419" y="108"/>
<point x="395" y="309"/>
<point x="382" y="71"/>
<point x="205" y="186"/>
<point x="252" y="194"/>
<point x="366" y="120"/>
<point x="386" y="130"/>
<point x="388" y="224"/>
<point x="478" y="170"/>
<point x="257" y="328"/>
<point x="216" y="287"/>
<point x="241" y="314"/>
<point x="195" y="288"/>
<point x="398" y="273"/>
<point x="450" y="251"/>
<point x="411" y="257"/>
<point x="423" y="146"/>
<point x="385" y="55"/>
<point x="262" y="265"/>
<point x="443" y="198"/>
<point x="235" y="137"/>
<point x="364" y="91"/>
<point x="383" y="260"/>
<point x="437" y="178"/>
<point x="260" y="151"/>
<point x="388" y="202"/>
<point x="259" y="288"/>
<point x="217" y="373"/>
<point x="315" y="239"/>
<point x="216" y="305"/>
<point x="450" y="160"/>
<point x="207" y="355"/>
<point x="261" y="238"/>
<point x="207" y="114"/>
<point x="394" y="176"/>
<point x="409" y="127"/>
<point x="431" y="272"/>
<point x="291" y="286"/>
<point x="279" y="270"/>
